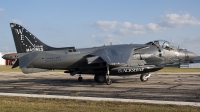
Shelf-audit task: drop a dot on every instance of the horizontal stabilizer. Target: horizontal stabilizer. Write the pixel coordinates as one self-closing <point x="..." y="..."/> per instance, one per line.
<point x="16" y="64"/>
<point x="27" y="59"/>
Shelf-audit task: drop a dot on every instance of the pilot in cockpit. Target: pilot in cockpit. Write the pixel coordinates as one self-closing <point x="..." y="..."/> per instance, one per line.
<point x="156" y="43"/>
<point x="161" y="43"/>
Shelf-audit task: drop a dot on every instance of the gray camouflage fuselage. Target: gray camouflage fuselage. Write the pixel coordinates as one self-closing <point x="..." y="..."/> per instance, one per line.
<point x="34" y="56"/>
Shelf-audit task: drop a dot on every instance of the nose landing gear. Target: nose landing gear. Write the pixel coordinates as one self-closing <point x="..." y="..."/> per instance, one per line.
<point x="108" y="81"/>
<point x="144" y="77"/>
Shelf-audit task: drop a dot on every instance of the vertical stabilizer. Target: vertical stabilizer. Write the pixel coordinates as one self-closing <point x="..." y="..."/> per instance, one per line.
<point x="26" y="41"/>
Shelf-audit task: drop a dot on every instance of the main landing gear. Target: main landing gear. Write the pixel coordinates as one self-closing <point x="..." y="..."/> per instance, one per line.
<point x="100" y="78"/>
<point x="103" y="78"/>
<point x="144" y="77"/>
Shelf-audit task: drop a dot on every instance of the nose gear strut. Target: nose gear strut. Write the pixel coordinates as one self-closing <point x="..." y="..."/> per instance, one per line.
<point x="108" y="81"/>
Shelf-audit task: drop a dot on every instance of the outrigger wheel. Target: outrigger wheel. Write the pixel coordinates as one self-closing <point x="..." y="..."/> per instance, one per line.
<point x="108" y="81"/>
<point x="80" y="79"/>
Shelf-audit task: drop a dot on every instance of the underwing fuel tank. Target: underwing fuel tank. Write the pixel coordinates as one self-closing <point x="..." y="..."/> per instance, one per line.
<point x="135" y="69"/>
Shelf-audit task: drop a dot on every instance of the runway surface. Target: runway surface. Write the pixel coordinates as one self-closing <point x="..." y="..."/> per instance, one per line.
<point x="161" y="86"/>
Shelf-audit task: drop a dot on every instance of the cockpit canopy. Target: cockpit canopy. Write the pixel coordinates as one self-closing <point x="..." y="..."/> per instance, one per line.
<point x="161" y="43"/>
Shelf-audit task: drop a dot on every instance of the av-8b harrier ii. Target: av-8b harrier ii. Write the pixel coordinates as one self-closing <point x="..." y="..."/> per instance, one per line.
<point x="128" y="59"/>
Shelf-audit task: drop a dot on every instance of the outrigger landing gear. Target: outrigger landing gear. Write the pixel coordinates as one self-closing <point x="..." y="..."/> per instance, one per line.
<point x="108" y="81"/>
<point x="144" y="77"/>
<point x="80" y="79"/>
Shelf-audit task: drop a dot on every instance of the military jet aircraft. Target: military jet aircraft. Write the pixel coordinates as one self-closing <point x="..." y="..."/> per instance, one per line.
<point x="128" y="59"/>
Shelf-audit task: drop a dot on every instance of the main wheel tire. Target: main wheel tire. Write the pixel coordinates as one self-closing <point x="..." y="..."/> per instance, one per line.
<point x="108" y="82"/>
<point x="100" y="78"/>
<point x="80" y="79"/>
<point x="95" y="78"/>
<point x="143" y="77"/>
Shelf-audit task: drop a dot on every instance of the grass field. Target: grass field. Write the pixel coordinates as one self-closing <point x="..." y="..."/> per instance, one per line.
<point x="166" y="69"/>
<point x="177" y="69"/>
<point x="23" y="104"/>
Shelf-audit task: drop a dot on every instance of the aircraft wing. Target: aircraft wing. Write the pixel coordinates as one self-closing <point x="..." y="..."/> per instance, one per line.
<point x="115" y="54"/>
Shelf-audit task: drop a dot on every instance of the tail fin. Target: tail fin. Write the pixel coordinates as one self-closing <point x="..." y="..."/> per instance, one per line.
<point x="25" y="41"/>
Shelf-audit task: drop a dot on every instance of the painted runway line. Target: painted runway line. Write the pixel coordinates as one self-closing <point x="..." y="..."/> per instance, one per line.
<point x="196" y="104"/>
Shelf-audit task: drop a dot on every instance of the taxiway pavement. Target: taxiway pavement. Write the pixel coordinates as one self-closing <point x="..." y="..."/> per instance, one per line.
<point x="161" y="86"/>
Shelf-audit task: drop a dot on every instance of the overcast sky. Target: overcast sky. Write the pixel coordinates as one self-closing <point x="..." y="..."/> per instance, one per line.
<point x="89" y="23"/>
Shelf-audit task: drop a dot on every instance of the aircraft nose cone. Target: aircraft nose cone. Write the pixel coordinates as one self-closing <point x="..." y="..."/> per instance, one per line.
<point x="191" y="56"/>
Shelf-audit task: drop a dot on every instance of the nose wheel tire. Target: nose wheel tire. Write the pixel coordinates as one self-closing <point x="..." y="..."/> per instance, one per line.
<point x="108" y="82"/>
<point x="144" y="77"/>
